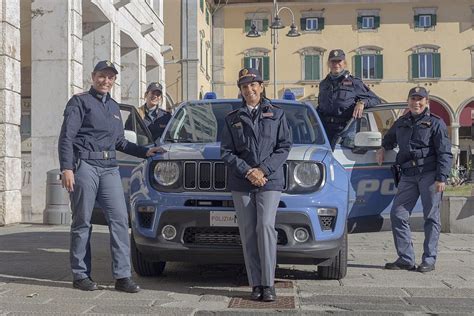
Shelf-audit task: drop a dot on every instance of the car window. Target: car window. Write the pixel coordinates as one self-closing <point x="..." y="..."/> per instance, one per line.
<point x="204" y="123"/>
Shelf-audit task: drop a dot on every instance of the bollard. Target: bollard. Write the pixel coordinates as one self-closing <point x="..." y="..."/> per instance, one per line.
<point x="57" y="211"/>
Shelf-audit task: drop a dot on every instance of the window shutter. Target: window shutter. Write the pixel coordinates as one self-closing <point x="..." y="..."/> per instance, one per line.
<point x="376" y="22"/>
<point x="320" y="24"/>
<point x="316" y="67"/>
<point x="433" y="19"/>
<point x="266" y="68"/>
<point x="436" y="65"/>
<point x="414" y="66"/>
<point x="358" y="66"/>
<point x="201" y="5"/>
<point x="303" y="24"/>
<point x="247" y="25"/>
<point x="417" y="21"/>
<point x="265" y="25"/>
<point x="359" y="22"/>
<point x="246" y="62"/>
<point x="308" y="61"/>
<point x="379" y="66"/>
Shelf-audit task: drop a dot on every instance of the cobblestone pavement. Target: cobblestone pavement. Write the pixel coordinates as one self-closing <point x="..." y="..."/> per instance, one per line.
<point x="35" y="279"/>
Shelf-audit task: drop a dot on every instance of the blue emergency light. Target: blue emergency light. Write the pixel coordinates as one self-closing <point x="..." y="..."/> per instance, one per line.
<point x="288" y="95"/>
<point x="210" y="96"/>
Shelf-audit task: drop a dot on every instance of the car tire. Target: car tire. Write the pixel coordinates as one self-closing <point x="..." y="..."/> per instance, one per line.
<point x="338" y="268"/>
<point x="142" y="266"/>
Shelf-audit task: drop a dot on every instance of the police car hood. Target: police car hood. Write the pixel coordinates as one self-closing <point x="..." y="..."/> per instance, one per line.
<point x="212" y="151"/>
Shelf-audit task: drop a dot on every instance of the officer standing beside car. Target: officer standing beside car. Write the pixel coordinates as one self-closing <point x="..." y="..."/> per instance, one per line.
<point x="341" y="96"/>
<point x="424" y="160"/>
<point x="256" y="141"/>
<point x="91" y="133"/>
<point x="154" y="117"/>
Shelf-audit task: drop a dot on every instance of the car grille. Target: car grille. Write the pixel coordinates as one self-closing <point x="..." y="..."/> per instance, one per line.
<point x="327" y="222"/>
<point x="209" y="176"/>
<point x="146" y="219"/>
<point x="222" y="236"/>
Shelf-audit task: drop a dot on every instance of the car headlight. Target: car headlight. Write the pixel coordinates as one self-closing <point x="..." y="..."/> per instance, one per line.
<point x="166" y="173"/>
<point x="307" y="174"/>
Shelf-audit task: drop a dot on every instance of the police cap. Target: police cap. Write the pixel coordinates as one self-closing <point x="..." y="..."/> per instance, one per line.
<point x="248" y="75"/>
<point x="105" y="64"/>
<point x="336" y="54"/>
<point x="418" y="91"/>
<point x="154" y="86"/>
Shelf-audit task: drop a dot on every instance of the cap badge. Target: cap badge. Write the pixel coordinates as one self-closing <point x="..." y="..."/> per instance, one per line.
<point x="417" y="89"/>
<point x="245" y="72"/>
<point x="109" y="63"/>
<point x="336" y="53"/>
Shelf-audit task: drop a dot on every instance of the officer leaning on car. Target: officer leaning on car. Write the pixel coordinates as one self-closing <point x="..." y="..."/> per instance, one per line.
<point x="91" y="133"/>
<point x="341" y="96"/>
<point x="424" y="160"/>
<point x="256" y="141"/>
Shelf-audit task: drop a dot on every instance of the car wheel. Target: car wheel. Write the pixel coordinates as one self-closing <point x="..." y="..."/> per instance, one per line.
<point x="338" y="268"/>
<point x="141" y="265"/>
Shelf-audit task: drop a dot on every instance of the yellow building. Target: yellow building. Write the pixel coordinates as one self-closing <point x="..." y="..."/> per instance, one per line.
<point x="391" y="45"/>
<point x="189" y="32"/>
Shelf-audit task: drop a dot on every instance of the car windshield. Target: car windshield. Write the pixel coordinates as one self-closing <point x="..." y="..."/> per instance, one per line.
<point x="203" y="123"/>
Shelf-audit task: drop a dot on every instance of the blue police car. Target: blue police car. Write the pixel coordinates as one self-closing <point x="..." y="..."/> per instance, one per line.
<point x="182" y="210"/>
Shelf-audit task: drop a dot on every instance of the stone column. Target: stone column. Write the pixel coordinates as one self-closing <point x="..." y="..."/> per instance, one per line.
<point x="56" y="75"/>
<point x="97" y="42"/>
<point x="10" y="112"/>
<point x="130" y="77"/>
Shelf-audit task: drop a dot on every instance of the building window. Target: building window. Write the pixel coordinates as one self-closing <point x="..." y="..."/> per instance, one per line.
<point x="368" y="22"/>
<point x="208" y="48"/>
<point x="262" y="63"/>
<point x="425" y="20"/>
<point x="426" y="65"/>
<point x="260" y="24"/>
<point x="312" y="67"/>
<point x="207" y="16"/>
<point x="201" y="5"/>
<point x="312" y="24"/>
<point x="368" y="66"/>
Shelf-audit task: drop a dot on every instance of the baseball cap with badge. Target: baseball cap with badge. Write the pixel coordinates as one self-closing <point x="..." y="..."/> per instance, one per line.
<point x="154" y="86"/>
<point x="105" y="64"/>
<point x="336" y="54"/>
<point x="248" y="75"/>
<point x="418" y="91"/>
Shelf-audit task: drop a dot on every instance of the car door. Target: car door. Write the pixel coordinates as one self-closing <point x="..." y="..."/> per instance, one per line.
<point x="372" y="187"/>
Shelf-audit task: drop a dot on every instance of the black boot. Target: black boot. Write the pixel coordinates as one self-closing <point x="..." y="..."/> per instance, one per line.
<point x="85" y="284"/>
<point x="256" y="293"/>
<point x="126" y="285"/>
<point x="269" y="294"/>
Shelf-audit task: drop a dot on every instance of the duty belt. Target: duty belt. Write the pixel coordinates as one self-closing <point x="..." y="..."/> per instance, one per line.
<point x="97" y="155"/>
<point x="334" y="119"/>
<point x="418" y="162"/>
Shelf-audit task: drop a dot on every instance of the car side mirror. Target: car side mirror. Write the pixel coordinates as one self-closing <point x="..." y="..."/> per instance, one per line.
<point x="368" y="140"/>
<point x="131" y="136"/>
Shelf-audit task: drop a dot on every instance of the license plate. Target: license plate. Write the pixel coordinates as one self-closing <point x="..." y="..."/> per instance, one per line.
<point x="223" y="218"/>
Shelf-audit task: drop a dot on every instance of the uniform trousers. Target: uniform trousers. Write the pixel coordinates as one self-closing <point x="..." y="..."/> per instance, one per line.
<point x="256" y="214"/>
<point x="409" y="189"/>
<point x="104" y="185"/>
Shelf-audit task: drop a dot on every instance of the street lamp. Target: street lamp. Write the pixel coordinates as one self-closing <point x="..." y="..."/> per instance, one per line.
<point x="275" y="26"/>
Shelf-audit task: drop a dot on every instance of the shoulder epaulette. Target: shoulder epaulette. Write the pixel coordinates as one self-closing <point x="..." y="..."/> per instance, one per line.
<point x="232" y="112"/>
<point x="82" y="93"/>
<point x="434" y="115"/>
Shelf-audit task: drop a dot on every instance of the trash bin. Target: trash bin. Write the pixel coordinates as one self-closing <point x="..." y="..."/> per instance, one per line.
<point x="57" y="211"/>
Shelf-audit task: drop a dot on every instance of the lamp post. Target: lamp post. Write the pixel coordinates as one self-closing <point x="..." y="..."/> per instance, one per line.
<point x="275" y="26"/>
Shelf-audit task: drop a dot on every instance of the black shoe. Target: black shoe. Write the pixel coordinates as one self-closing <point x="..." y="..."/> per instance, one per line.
<point x="268" y="294"/>
<point x="256" y="293"/>
<point x="85" y="284"/>
<point x="399" y="266"/>
<point x="126" y="285"/>
<point x="425" y="267"/>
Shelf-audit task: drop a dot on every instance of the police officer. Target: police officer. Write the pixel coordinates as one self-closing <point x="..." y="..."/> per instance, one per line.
<point x="425" y="160"/>
<point x="255" y="144"/>
<point x="91" y="133"/>
<point x="154" y="117"/>
<point x="341" y="96"/>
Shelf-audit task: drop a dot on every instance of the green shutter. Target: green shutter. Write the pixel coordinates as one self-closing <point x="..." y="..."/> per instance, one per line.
<point x="247" y="25"/>
<point x="359" y="22"/>
<point x="265" y="25"/>
<point x="316" y="66"/>
<point x="201" y="5"/>
<point x="417" y="21"/>
<point x="433" y="19"/>
<point x="414" y="66"/>
<point x="320" y="24"/>
<point x="246" y="62"/>
<point x="308" y="67"/>
<point x="436" y="65"/>
<point x="358" y="66"/>
<point x="376" y="22"/>
<point x="266" y="68"/>
<point x="303" y="24"/>
<point x="207" y="17"/>
<point x="379" y="66"/>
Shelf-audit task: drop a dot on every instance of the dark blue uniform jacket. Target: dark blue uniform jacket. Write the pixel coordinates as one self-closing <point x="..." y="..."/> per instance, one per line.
<point x="264" y="143"/>
<point x="157" y="126"/>
<point x="419" y="137"/>
<point x="91" y="125"/>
